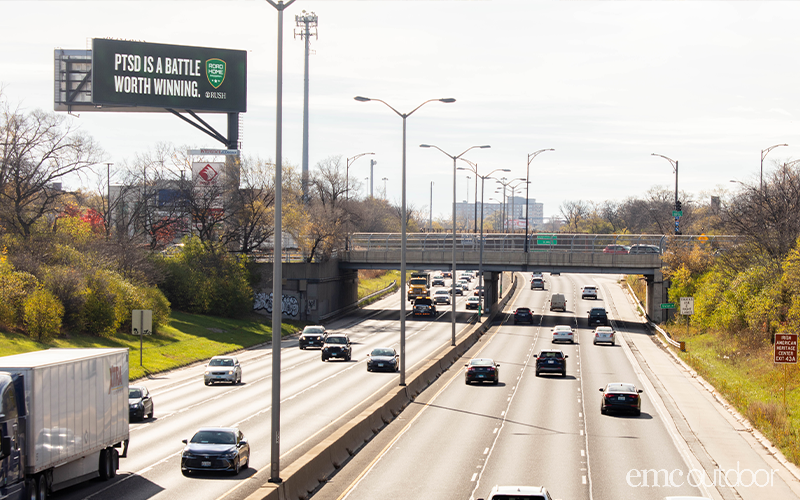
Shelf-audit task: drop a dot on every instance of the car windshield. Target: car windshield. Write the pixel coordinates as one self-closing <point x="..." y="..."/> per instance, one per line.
<point x="313" y="329"/>
<point x="604" y="329"/>
<point x="134" y="393"/>
<point x="481" y="362"/>
<point x="382" y="352"/>
<point x="598" y="312"/>
<point x="621" y="388"/>
<point x="336" y="340"/>
<point x="523" y="310"/>
<point x="221" y="362"/>
<point x="214" y="437"/>
<point x="563" y="328"/>
<point x="588" y="289"/>
<point x="441" y="292"/>
<point x="551" y="354"/>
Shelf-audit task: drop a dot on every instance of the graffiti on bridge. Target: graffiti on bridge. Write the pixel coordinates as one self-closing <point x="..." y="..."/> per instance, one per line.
<point x="289" y="304"/>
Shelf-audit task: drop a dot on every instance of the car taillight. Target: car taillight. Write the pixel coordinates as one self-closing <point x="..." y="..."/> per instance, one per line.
<point x="609" y="396"/>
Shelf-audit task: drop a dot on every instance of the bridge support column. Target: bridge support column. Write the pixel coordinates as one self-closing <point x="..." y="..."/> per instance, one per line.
<point x="492" y="290"/>
<point x="656" y="295"/>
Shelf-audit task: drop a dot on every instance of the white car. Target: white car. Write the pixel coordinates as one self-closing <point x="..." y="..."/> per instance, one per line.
<point x="603" y="334"/>
<point x="441" y="296"/>
<point x="464" y="285"/>
<point x="563" y="332"/>
<point x="519" y="493"/>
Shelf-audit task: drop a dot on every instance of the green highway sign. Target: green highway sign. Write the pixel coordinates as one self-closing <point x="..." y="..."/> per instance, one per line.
<point x="668" y="305"/>
<point x="677" y="213"/>
<point x="545" y="239"/>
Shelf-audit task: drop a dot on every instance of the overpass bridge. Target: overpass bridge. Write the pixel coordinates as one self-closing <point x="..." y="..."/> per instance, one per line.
<point x="545" y="252"/>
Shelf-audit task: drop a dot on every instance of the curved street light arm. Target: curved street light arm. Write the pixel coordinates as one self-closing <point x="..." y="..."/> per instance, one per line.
<point x="533" y="155"/>
<point x="670" y="160"/>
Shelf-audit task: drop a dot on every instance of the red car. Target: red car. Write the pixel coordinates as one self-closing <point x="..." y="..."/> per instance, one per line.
<point x="616" y="249"/>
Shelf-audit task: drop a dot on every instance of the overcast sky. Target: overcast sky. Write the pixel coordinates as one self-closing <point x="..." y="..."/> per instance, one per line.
<point x="605" y="84"/>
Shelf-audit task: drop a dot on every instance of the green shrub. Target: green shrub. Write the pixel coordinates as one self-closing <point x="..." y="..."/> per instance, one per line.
<point x="205" y="279"/>
<point x="43" y="313"/>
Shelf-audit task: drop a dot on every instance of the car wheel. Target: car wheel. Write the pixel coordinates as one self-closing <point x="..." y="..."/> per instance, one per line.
<point x="638" y="413"/>
<point x="496" y="381"/>
<point x="369" y="369"/>
<point x="466" y="381"/>
<point x="152" y="410"/>
<point x="206" y="382"/>
<point x="564" y="373"/>
<point x="185" y="472"/>
<point x="537" y="373"/>
<point x="302" y="348"/>
<point x="348" y="358"/>
<point x="602" y="410"/>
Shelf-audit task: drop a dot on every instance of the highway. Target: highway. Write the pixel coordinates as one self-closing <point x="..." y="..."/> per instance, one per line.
<point x="315" y="396"/>
<point x="457" y="441"/>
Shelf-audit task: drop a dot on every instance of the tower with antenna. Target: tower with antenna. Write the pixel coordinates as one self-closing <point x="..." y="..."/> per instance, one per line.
<point x="306" y="22"/>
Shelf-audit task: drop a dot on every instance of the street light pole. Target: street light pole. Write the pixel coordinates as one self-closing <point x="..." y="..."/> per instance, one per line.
<point x="764" y="153"/>
<point x="505" y="183"/>
<point x="347" y="173"/>
<point x="430" y="211"/>
<point x="674" y="164"/>
<point x="531" y="156"/>
<point x="513" y="205"/>
<point x="277" y="278"/>
<point x="453" y="281"/>
<point x="403" y="297"/>
<point x="480" y="259"/>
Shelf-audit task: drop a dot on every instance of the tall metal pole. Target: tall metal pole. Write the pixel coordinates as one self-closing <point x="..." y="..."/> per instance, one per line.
<point x="453" y="283"/>
<point x="371" y="176"/>
<point x="430" y="211"/>
<point x="307" y="20"/>
<point x="531" y="156"/>
<point x="764" y="153"/>
<point x="476" y="200"/>
<point x="277" y="277"/>
<point x="403" y="296"/>
<point x="347" y="173"/>
<point x="384" y="186"/>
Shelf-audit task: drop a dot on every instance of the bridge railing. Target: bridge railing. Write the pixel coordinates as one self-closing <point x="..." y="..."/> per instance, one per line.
<point x="537" y="242"/>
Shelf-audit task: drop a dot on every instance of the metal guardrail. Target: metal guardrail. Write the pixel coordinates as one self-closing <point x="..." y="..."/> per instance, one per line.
<point x="375" y="294"/>
<point x="537" y="242"/>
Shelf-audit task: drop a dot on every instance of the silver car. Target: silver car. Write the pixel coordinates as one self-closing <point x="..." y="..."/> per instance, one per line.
<point x="223" y="369"/>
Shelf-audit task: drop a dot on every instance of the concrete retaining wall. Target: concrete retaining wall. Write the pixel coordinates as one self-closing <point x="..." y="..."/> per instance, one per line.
<point x="303" y="476"/>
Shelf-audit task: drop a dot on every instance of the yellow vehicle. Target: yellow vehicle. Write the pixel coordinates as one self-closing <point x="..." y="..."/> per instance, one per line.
<point x="419" y="285"/>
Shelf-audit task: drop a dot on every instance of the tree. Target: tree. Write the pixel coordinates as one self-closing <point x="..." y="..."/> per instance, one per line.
<point x="573" y="212"/>
<point x="38" y="150"/>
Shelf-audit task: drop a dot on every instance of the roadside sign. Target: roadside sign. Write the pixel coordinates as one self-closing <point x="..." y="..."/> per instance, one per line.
<point x="687" y="306"/>
<point x="545" y="239"/>
<point x="142" y="321"/>
<point x="677" y="213"/>
<point x="209" y="151"/>
<point x="703" y="238"/>
<point x="786" y="348"/>
<point x="668" y="305"/>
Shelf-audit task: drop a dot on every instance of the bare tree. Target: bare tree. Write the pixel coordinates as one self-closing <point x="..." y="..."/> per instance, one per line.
<point x="253" y="224"/>
<point x="39" y="149"/>
<point x="573" y="212"/>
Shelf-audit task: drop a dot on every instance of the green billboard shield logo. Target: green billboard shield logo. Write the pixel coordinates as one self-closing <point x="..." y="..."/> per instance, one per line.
<point x="215" y="71"/>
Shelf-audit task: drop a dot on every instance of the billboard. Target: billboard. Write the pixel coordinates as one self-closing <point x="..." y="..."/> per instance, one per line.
<point x="152" y="77"/>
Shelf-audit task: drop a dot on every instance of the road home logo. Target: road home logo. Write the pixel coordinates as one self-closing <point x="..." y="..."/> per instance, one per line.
<point x="208" y="173"/>
<point x="215" y="71"/>
<point x="115" y="378"/>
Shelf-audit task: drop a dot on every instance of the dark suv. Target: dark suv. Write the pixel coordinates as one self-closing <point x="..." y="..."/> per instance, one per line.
<point x="336" y="346"/>
<point x="312" y="336"/>
<point x="523" y="314"/>
<point x="598" y="317"/>
<point x="551" y="361"/>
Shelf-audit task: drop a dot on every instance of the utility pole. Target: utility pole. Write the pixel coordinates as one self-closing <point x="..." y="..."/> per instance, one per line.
<point x="371" y="175"/>
<point x="430" y="214"/>
<point x="384" y="186"/>
<point x="306" y="21"/>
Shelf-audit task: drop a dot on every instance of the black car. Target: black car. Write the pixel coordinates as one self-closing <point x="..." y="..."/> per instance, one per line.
<point x="551" y="361"/>
<point x="215" y="449"/>
<point x="523" y="315"/>
<point x="312" y="336"/>
<point x="383" y="359"/>
<point x="437" y="281"/>
<point x="598" y="317"/>
<point x="336" y="346"/>
<point x="621" y="396"/>
<point x="459" y="290"/>
<point x="140" y="403"/>
<point x="482" y="370"/>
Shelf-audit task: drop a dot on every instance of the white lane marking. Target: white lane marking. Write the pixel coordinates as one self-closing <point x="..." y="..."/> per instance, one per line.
<point x="495" y="430"/>
<point x="583" y="479"/>
<point x="486" y="451"/>
<point x="581" y="432"/>
<point x="474" y="475"/>
<point x="580" y="414"/>
<point x="583" y="453"/>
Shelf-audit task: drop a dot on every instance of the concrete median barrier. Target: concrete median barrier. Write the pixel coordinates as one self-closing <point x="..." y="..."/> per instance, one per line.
<point x="307" y="473"/>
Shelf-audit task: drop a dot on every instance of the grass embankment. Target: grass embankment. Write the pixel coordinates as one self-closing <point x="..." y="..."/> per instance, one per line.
<point x="187" y="339"/>
<point x="372" y="280"/>
<point x="740" y="366"/>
